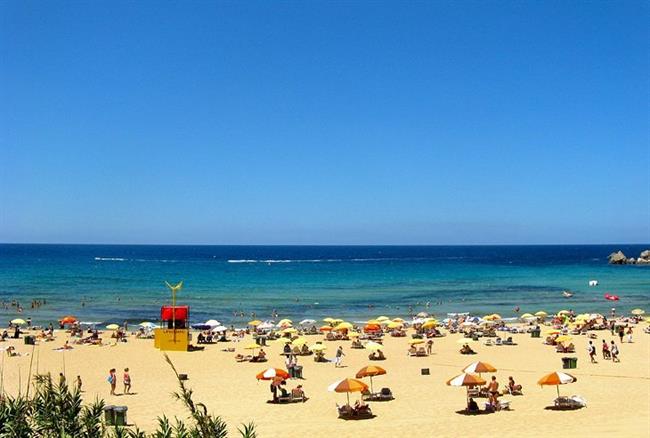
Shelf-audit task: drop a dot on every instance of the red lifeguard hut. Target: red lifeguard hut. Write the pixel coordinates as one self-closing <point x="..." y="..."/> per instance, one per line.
<point x="174" y="333"/>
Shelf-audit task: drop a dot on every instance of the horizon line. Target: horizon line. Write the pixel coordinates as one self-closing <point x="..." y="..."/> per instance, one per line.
<point x="326" y="244"/>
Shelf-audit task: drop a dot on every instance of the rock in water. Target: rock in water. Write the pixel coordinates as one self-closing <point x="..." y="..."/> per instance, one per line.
<point x="617" y="258"/>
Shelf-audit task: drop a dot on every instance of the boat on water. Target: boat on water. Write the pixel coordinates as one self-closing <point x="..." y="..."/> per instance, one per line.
<point x="567" y="294"/>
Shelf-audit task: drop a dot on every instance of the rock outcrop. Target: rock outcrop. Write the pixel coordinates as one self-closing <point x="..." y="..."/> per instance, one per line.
<point x="618" y="258"/>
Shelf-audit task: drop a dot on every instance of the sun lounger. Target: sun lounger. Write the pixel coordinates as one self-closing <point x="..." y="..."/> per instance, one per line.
<point x="497" y="341"/>
<point x="509" y="341"/>
<point x="573" y="402"/>
<point x="502" y="405"/>
<point x="349" y="413"/>
<point x="488" y="342"/>
<point x="421" y="352"/>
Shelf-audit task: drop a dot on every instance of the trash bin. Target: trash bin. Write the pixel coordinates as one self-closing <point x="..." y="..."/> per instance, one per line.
<point x="573" y="361"/>
<point x="297" y="371"/>
<point x="262" y="341"/>
<point x="120" y="415"/>
<point x="109" y="415"/>
<point x="535" y="333"/>
<point x="258" y="340"/>
<point x="30" y="340"/>
<point x="569" y="362"/>
<point x="565" y="363"/>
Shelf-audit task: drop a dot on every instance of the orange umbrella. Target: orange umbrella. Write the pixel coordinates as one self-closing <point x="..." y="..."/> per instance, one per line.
<point x="479" y="367"/>
<point x="370" y="371"/>
<point x="68" y="320"/>
<point x="325" y="328"/>
<point x="556" y="379"/>
<point x="348" y="386"/>
<point x="372" y="328"/>
<point x="272" y="373"/>
<point x="467" y="380"/>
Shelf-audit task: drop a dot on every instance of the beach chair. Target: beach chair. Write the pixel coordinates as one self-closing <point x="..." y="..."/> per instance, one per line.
<point x="474" y="391"/>
<point x="421" y="352"/>
<point x="509" y="341"/>
<point x="573" y="402"/>
<point x="297" y="396"/>
<point x="511" y="391"/>
<point x="498" y="341"/>
<point x="385" y="394"/>
<point x="488" y="342"/>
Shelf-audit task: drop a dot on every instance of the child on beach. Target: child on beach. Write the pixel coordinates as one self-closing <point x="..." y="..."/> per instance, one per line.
<point x="112" y="380"/>
<point x="127" y="381"/>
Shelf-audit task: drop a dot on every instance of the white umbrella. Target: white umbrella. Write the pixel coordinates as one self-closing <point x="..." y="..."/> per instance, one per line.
<point x="307" y="321"/>
<point x="219" y="328"/>
<point x="265" y="325"/>
<point x="148" y="325"/>
<point x="212" y="323"/>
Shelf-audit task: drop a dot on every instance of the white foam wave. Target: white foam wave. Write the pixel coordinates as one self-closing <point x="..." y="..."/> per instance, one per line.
<point x="110" y="259"/>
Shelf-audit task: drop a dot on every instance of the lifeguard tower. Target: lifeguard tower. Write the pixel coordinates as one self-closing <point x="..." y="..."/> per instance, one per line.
<point x="174" y="333"/>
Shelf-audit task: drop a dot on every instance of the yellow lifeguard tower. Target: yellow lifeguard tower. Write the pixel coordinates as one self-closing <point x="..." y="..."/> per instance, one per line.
<point x="174" y="333"/>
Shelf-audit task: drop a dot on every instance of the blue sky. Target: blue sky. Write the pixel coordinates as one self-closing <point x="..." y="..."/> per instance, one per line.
<point x="324" y="122"/>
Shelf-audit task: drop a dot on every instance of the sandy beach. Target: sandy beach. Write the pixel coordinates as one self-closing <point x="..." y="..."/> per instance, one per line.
<point x="618" y="394"/>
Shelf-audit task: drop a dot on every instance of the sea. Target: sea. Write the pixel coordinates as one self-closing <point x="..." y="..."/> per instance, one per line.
<point x="233" y="284"/>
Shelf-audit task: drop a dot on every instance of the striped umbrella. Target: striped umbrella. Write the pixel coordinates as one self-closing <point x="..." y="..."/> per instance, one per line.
<point x="467" y="380"/>
<point x="348" y="386"/>
<point x="556" y="379"/>
<point x="272" y="373"/>
<point x="479" y="367"/>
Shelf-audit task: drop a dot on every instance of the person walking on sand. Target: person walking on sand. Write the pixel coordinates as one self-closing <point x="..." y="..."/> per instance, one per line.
<point x="592" y="352"/>
<point x="629" y="335"/>
<point x="112" y="380"/>
<point x="339" y="357"/>
<point x="79" y="383"/>
<point x="127" y="381"/>
<point x="429" y="346"/>
<point x="614" y="350"/>
<point x="621" y="333"/>
<point x="606" y="354"/>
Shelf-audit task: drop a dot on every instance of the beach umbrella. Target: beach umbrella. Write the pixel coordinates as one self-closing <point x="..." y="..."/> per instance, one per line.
<point x="336" y="321"/>
<point x="112" y="327"/>
<point x="373" y="346"/>
<point x="563" y="312"/>
<point x="493" y="317"/>
<point x="422" y="315"/>
<point x="325" y="328"/>
<point x="370" y="371"/>
<point x="212" y="323"/>
<point x="562" y="339"/>
<point x="398" y="320"/>
<point x="68" y="320"/>
<point x="18" y="321"/>
<point x="556" y="379"/>
<point x="251" y="346"/>
<point x="265" y="325"/>
<point x="201" y="326"/>
<point x="348" y="386"/>
<point x="385" y="322"/>
<point x="255" y="322"/>
<point x="416" y="341"/>
<point x="343" y="326"/>
<point x="373" y="322"/>
<point x="527" y="316"/>
<point x="382" y="318"/>
<point x="394" y="325"/>
<point x="353" y="334"/>
<point x="638" y="312"/>
<point x="289" y="330"/>
<point x="318" y="347"/>
<point x="541" y="314"/>
<point x="479" y="367"/>
<point x="307" y="322"/>
<point x="552" y="332"/>
<point x="468" y="324"/>
<point x="272" y="373"/>
<point x="467" y="380"/>
<point x="328" y="320"/>
<point x="430" y="324"/>
<point x="220" y="328"/>
<point x="372" y="328"/>
<point x="147" y="325"/>
<point x="299" y="342"/>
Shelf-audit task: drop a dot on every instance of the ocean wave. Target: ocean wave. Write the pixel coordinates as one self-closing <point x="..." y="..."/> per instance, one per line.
<point x="110" y="259"/>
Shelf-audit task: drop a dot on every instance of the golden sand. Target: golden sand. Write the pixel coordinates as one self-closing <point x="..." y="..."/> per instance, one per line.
<point x="618" y="394"/>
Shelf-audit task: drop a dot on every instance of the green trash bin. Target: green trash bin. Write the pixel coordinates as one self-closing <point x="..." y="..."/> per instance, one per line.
<point x="120" y="415"/>
<point x="30" y="340"/>
<point x="573" y="362"/>
<point x="535" y="333"/>
<point x="109" y="415"/>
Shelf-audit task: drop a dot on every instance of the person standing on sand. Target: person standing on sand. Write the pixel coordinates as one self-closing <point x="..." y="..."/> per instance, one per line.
<point x="61" y="379"/>
<point x="127" y="381"/>
<point x="112" y="379"/>
<point x="614" y="351"/>
<point x="79" y="383"/>
<point x="592" y="352"/>
<point x="429" y="346"/>
<point x="606" y="353"/>
<point x="621" y="333"/>
<point x="339" y="357"/>
<point x="629" y="335"/>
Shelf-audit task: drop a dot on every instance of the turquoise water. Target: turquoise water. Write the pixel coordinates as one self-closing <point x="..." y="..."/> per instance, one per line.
<point x="117" y="283"/>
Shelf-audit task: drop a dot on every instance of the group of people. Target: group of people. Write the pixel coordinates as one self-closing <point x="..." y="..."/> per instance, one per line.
<point x="610" y="351"/>
<point x="126" y="380"/>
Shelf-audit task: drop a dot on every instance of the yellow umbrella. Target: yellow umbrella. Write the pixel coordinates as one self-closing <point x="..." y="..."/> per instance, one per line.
<point x="562" y="339"/>
<point x="343" y="326"/>
<point x="527" y="315"/>
<point x="382" y="318"/>
<point x="328" y="319"/>
<point x="552" y="332"/>
<point x="394" y="325"/>
<point x="637" y="312"/>
<point x="373" y="321"/>
<point x="416" y="341"/>
<point x="563" y="312"/>
<point x="18" y="321"/>
<point x="336" y="321"/>
<point x="373" y="346"/>
<point x="299" y="342"/>
<point x="398" y="320"/>
<point x="284" y="322"/>
<point x="112" y="327"/>
<point x="289" y="330"/>
<point x="353" y="334"/>
<point x="318" y="347"/>
<point x="429" y="324"/>
<point x="541" y="314"/>
<point x="255" y="322"/>
<point x="252" y="346"/>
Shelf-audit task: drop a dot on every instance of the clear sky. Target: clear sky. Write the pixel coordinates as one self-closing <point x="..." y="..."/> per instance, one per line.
<point x="310" y="122"/>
